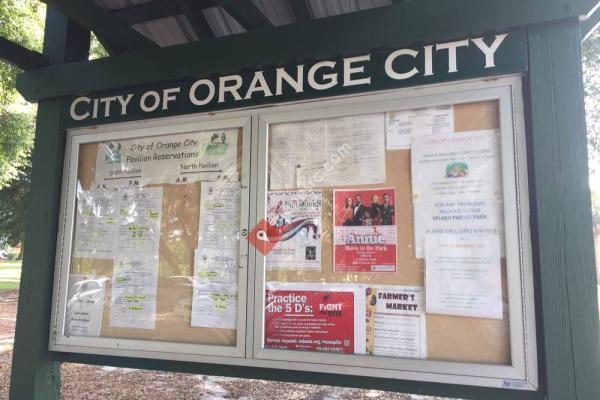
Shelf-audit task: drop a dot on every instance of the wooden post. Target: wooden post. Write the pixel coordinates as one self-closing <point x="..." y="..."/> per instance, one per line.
<point x="561" y="214"/>
<point x="34" y="374"/>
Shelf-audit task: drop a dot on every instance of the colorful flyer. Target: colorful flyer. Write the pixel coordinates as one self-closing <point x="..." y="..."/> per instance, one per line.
<point x="365" y="235"/>
<point x="85" y="305"/>
<point x="395" y="321"/>
<point x="314" y="317"/>
<point x="456" y="166"/>
<point x="176" y="159"/>
<point x="400" y="126"/>
<point x="463" y="275"/>
<point x="294" y="223"/>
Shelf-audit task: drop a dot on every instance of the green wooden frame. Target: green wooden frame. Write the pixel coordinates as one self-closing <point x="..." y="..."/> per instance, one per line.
<point x="565" y="278"/>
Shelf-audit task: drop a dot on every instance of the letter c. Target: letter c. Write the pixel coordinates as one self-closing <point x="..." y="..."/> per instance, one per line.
<point x="74" y="115"/>
<point x="389" y="69"/>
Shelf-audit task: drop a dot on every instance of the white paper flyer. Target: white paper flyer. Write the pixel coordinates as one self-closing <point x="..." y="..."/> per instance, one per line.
<point x="85" y="305"/>
<point x="216" y="261"/>
<point x="463" y="276"/>
<point x="395" y="321"/>
<point x="400" y="126"/>
<point x="133" y="294"/>
<point x="332" y="152"/>
<point x="456" y="166"/>
<point x="178" y="158"/>
<point x="96" y="224"/>
<point x="457" y="217"/>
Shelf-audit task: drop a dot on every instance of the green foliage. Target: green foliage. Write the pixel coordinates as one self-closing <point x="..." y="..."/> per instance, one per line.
<point x="21" y="21"/>
<point x="591" y="77"/>
<point x="14" y="200"/>
<point x="16" y="139"/>
<point x="96" y="48"/>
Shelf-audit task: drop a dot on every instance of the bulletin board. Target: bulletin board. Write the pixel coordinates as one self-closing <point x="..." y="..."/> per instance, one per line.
<point x="180" y="213"/>
<point x="449" y="338"/>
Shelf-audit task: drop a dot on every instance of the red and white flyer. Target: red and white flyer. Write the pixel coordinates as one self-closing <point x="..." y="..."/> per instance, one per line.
<point x="293" y="223"/>
<point x="365" y="236"/>
<point x="314" y="317"/>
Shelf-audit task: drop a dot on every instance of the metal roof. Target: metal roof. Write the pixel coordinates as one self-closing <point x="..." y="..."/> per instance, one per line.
<point x="178" y="28"/>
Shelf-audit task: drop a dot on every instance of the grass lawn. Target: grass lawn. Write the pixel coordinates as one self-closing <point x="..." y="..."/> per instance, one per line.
<point x="10" y="274"/>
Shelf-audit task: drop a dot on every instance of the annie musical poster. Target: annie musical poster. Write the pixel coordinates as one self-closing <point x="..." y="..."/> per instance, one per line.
<point x="365" y="230"/>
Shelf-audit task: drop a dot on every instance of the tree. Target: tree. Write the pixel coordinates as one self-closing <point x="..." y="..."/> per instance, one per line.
<point x="14" y="201"/>
<point x="591" y="78"/>
<point x="21" y="22"/>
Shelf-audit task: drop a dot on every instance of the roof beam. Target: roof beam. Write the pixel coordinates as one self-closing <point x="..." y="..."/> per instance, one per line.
<point x="391" y="26"/>
<point x="20" y="56"/>
<point x="300" y="10"/>
<point x="246" y="13"/>
<point x="120" y="37"/>
<point x="590" y="23"/>
<point x="150" y="11"/>
<point x="197" y="20"/>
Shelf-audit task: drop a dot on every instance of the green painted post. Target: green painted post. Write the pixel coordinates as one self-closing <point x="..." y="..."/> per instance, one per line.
<point x="34" y="374"/>
<point x="562" y="214"/>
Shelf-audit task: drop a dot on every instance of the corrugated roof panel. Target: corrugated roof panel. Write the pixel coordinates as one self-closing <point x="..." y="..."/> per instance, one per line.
<point x="117" y="4"/>
<point x="221" y="23"/>
<point x="277" y="11"/>
<point x="328" y="8"/>
<point x="164" y="32"/>
<point x="175" y="30"/>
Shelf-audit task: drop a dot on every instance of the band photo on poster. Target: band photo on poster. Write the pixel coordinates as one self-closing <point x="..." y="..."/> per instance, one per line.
<point x="365" y="235"/>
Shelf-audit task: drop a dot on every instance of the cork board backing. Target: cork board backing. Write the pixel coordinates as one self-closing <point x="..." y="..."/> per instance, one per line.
<point x="449" y="338"/>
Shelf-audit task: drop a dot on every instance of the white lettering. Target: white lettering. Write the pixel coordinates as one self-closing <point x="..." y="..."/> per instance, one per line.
<point x="282" y="75"/>
<point x="211" y="92"/>
<point x="489" y="51"/>
<point x="389" y="64"/>
<point x="74" y="115"/>
<point x="124" y="101"/>
<point x="258" y="84"/>
<point x="428" y="60"/>
<point x="451" y="47"/>
<point x="168" y="96"/>
<point x="233" y="89"/>
<point x="106" y="101"/>
<point x="349" y="70"/>
<point x="330" y="79"/>
<point x="155" y="98"/>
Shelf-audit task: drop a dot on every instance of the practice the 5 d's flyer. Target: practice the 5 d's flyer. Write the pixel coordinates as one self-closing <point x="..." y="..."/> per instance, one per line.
<point x="311" y="320"/>
<point x="365" y="236"/>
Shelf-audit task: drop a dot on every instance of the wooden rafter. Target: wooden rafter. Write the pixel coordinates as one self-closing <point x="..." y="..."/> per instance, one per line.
<point x="243" y="11"/>
<point x="246" y="13"/>
<point x="197" y="20"/>
<point x="300" y="10"/>
<point x="119" y="36"/>
<point x="20" y="56"/>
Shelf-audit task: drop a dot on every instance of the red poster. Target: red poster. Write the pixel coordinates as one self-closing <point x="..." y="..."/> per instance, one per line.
<point x="365" y="230"/>
<point x="309" y="320"/>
